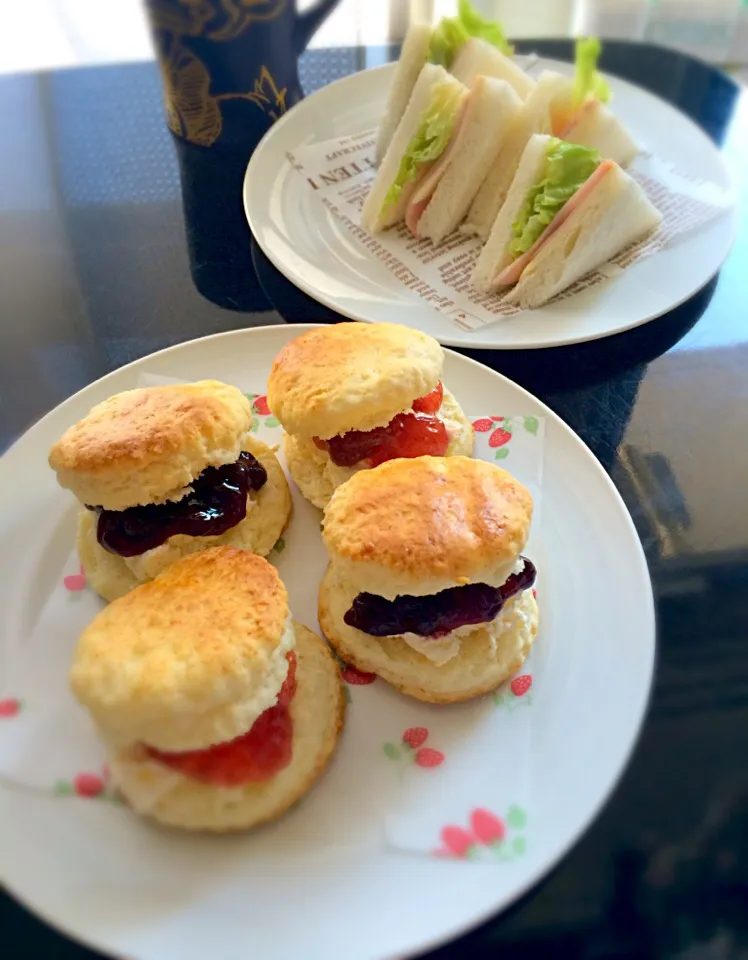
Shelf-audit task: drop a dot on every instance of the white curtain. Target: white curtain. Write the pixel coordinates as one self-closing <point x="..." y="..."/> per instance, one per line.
<point x="715" y="30"/>
<point x="70" y="32"/>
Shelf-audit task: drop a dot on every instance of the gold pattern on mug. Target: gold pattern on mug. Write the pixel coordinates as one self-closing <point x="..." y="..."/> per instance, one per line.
<point x="192" y="111"/>
<point x="186" y="17"/>
<point x="240" y="14"/>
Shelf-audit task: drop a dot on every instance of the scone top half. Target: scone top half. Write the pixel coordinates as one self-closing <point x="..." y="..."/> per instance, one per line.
<point x="148" y="446"/>
<point x="429" y="544"/>
<point x="191" y="659"/>
<point x="351" y="376"/>
<point x="348" y="388"/>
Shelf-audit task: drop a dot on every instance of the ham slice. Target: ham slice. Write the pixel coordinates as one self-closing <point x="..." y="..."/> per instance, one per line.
<point x="511" y="274"/>
<point x="577" y="118"/>
<point x="428" y="183"/>
<point x="416" y="209"/>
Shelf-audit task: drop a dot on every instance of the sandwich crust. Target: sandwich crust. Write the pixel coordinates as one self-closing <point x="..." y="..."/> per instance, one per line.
<point x="268" y="512"/>
<point x="189" y="659"/>
<point x="318" y="477"/>
<point x="351" y="376"/>
<point x="412" y="58"/>
<point x="422" y="525"/>
<point x="148" y="445"/>
<point x="483" y="663"/>
<point x="317" y="711"/>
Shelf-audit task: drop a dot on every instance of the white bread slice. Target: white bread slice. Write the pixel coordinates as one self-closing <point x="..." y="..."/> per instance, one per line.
<point x="412" y="58"/>
<point x="616" y="213"/>
<point x="495" y="254"/>
<point x="491" y="110"/>
<point x="371" y="214"/>
<point x="535" y="117"/>
<point x="600" y="129"/>
<point x="478" y="58"/>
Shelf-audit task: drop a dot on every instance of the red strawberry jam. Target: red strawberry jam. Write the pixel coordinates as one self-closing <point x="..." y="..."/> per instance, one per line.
<point x="218" y="502"/>
<point x="436" y="614"/>
<point x="259" y="754"/>
<point x="416" y="434"/>
<point x="431" y="402"/>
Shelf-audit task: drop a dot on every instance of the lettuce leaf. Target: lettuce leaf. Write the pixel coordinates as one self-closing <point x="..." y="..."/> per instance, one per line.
<point x="587" y="81"/>
<point x="446" y="39"/>
<point x="488" y="30"/>
<point x="567" y="167"/>
<point x="452" y="32"/>
<point x="430" y="139"/>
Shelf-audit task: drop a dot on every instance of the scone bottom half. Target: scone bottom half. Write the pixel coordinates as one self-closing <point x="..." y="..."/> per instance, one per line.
<point x="218" y="710"/>
<point x="163" y="472"/>
<point x="428" y="585"/>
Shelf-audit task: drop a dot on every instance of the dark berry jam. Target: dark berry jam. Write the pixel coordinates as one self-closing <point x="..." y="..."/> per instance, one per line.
<point x="218" y="502"/>
<point x="259" y="754"/>
<point x="439" y="613"/>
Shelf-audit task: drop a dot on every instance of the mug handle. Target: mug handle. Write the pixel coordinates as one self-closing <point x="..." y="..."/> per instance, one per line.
<point x="309" y="22"/>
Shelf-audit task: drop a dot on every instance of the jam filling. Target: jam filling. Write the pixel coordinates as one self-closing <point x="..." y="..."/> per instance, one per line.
<point x="431" y="402"/>
<point x="259" y="754"/>
<point x="439" y="613"/>
<point x="416" y="434"/>
<point x="218" y="502"/>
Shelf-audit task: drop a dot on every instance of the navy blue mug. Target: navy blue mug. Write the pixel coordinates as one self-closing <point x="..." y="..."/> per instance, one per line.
<point x="229" y="67"/>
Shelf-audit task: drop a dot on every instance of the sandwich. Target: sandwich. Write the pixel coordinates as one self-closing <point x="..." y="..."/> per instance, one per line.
<point x="421" y="138"/>
<point x="441" y="152"/>
<point x="218" y="710"/>
<point x="579" y="113"/>
<point x="571" y="109"/>
<point x="442" y="198"/>
<point x="162" y="472"/>
<point x="427" y="586"/>
<point x="352" y="395"/>
<point x="567" y="212"/>
<point x="467" y="45"/>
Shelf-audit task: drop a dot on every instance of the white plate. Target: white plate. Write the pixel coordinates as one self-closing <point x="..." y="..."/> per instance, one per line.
<point x="305" y="242"/>
<point x="137" y="892"/>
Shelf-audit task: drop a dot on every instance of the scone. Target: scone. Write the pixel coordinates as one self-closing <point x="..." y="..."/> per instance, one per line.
<point x="163" y="472"/>
<point x="426" y="585"/>
<point x="218" y="711"/>
<point x="354" y="395"/>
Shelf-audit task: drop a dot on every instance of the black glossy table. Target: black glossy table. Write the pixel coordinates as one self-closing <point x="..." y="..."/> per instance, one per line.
<point x="114" y="244"/>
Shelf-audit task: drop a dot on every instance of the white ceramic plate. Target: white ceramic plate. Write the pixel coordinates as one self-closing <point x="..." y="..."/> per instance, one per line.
<point x="108" y="879"/>
<point x="305" y="242"/>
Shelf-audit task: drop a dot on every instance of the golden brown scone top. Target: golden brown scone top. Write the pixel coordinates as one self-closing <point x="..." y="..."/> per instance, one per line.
<point x="430" y="518"/>
<point x="194" y="640"/>
<point x="351" y="376"/>
<point x="147" y="445"/>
